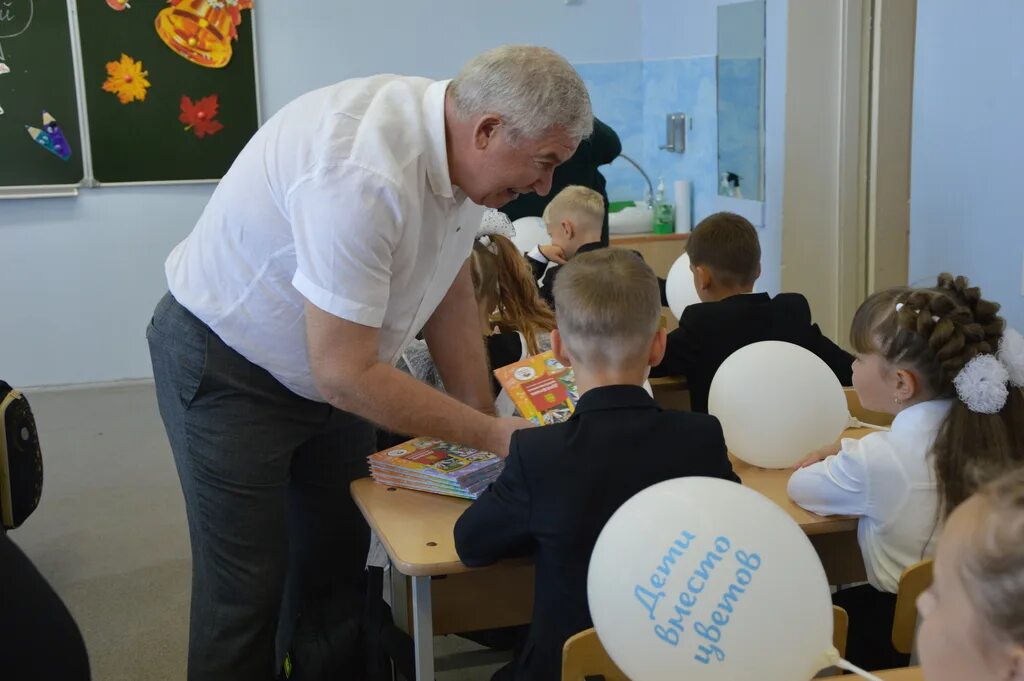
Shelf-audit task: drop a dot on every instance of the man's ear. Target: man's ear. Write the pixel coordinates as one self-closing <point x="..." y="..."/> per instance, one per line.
<point x="485" y="130"/>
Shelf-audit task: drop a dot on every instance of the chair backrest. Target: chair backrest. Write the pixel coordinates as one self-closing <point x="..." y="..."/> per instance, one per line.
<point x="840" y="627"/>
<point x="914" y="580"/>
<point x="858" y="412"/>
<point x="583" y="656"/>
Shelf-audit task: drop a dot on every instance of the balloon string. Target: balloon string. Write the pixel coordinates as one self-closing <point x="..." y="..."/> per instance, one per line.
<point x="850" y="667"/>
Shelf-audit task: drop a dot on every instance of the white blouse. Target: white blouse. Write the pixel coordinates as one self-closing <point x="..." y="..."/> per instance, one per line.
<point x="888" y="479"/>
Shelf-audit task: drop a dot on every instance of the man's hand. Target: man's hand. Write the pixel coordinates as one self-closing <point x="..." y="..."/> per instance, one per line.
<point x="501" y="433"/>
<point x="819" y="455"/>
<point x="553" y="253"/>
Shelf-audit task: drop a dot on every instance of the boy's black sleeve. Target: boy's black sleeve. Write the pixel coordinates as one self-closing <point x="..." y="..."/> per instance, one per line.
<point x="680" y="351"/>
<point x="837" y="359"/>
<point x="721" y="466"/>
<point x="536" y="267"/>
<point x="663" y="291"/>
<point x="496" y="526"/>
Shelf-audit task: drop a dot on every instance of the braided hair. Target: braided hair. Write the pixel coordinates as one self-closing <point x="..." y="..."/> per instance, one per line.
<point x="935" y="332"/>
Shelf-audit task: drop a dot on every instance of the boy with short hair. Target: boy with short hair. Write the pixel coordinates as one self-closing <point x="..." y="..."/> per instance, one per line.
<point x="573" y="220"/>
<point x="725" y="258"/>
<point x="563" y="482"/>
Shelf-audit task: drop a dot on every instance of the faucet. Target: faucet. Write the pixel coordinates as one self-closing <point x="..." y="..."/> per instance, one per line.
<point x="650" y="187"/>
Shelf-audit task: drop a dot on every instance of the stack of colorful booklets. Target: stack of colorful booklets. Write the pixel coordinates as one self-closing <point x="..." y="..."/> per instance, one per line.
<point x="542" y="388"/>
<point x="431" y="465"/>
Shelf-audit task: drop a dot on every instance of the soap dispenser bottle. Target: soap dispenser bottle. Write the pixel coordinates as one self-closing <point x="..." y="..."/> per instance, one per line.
<point x="662" y="211"/>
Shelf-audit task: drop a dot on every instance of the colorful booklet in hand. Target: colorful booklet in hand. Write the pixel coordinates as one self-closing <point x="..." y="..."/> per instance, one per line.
<point x="432" y="465"/>
<point x="542" y="388"/>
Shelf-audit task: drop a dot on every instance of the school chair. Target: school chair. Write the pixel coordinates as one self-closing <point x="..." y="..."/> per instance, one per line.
<point x="858" y="412"/>
<point x="583" y="657"/>
<point x="914" y="580"/>
<point x="840" y="628"/>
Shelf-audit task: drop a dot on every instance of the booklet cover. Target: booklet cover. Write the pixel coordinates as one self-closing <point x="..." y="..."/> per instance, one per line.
<point x="542" y="388"/>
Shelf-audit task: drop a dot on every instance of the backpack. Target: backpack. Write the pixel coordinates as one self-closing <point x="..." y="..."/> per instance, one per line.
<point x="331" y="644"/>
<point x="21" y="460"/>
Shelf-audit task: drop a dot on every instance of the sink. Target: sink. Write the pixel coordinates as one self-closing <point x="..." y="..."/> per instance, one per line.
<point x="631" y="220"/>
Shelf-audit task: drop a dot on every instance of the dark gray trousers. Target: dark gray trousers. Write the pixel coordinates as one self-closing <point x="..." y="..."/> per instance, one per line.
<point x="265" y="475"/>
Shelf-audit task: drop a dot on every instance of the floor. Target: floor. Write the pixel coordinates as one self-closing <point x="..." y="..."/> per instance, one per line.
<point x="110" y="533"/>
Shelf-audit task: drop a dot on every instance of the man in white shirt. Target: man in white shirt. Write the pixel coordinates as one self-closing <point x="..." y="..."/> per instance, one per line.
<point x="341" y="232"/>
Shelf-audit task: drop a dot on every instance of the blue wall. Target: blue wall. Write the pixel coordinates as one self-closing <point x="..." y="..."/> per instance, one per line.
<point x="968" y="147"/>
<point x="634" y="98"/>
<point x="616" y="93"/>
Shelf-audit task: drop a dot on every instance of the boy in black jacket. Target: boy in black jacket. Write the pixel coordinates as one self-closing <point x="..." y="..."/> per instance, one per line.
<point x="725" y="257"/>
<point x="563" y="482"/>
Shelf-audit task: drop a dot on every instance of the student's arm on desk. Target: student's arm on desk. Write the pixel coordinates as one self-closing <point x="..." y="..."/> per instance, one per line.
<point x="496" y="526"/>
<point x="837" y="485"/>
<point x="837" y="359"/>
<point x="679" y="352"/>
<point x="721" y="466"/>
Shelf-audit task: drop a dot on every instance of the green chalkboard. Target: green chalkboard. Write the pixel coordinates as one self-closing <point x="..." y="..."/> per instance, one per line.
<point x="37" y="74"/>
<point x="143" y="140"/>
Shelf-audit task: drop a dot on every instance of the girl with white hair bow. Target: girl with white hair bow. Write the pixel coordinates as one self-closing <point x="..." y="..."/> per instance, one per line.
<point x="942" y="361"/>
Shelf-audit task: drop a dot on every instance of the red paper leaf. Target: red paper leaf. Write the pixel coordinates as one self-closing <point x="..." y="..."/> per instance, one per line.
<point x="199" y="116"/>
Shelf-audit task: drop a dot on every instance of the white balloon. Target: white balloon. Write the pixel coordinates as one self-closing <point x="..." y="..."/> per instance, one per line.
<point x="704" y="580"/>
<point x="530" y="232"/>
<point x="679" y="286"/>
<point x="777" y="402"/>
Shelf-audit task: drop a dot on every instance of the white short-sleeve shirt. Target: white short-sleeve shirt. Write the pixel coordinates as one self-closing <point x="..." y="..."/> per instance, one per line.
<point x="343" y="199"/>
<point x="888" y="479"/>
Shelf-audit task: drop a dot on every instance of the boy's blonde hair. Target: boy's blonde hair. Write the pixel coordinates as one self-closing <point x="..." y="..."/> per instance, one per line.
<point x="581" y="204"/>
<point x="608" y="308"/>
<point x="993" y="566"/>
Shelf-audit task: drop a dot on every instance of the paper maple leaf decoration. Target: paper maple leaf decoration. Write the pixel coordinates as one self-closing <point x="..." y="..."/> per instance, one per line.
<point x="199" y="116"/>
<point x="126" y="79"/>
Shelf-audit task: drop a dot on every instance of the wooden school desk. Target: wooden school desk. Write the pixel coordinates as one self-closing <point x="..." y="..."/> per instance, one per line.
<point x="417" y="530"/>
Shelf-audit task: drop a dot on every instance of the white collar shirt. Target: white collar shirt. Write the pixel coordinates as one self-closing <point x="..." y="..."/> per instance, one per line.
<point x="342" y="199"/>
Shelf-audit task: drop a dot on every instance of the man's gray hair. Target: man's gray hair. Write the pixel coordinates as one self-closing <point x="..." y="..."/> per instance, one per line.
<point x="533" y="89"/>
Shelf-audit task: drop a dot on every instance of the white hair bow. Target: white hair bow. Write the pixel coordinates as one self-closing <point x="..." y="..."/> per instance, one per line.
<point x="984" y="382"/>
<point x="497" y="223"/>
